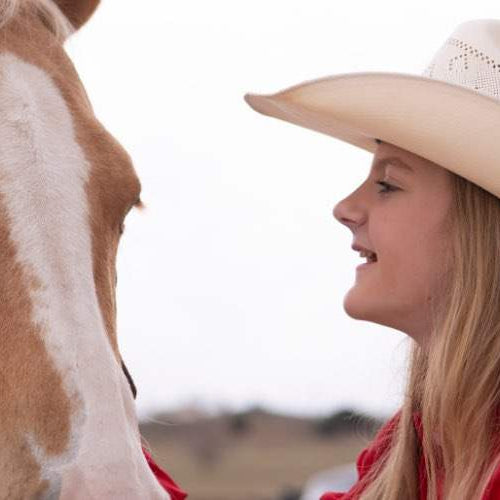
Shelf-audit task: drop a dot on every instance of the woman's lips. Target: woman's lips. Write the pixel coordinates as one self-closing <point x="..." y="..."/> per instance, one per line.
<point x="365" y="265"/>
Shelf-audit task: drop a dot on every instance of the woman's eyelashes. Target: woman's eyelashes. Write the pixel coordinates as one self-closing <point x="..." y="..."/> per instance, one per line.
<point x="387" y="187"/>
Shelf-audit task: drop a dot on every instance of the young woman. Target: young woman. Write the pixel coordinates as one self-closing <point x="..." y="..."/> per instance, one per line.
<point x="428" y="216"/>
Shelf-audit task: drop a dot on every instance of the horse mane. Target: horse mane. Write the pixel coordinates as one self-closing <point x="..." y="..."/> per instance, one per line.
<point x="47" y="10"/>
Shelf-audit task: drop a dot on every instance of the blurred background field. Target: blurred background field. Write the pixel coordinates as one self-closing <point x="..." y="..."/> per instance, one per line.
<point x="256" y="454"/>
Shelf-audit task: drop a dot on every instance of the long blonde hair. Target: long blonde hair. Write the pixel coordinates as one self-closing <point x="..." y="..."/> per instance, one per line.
<point x="454" y="381"/>
<point x="48" y="11"/>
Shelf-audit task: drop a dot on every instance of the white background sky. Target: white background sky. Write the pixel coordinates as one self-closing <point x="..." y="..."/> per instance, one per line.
<point x="231" y="283"/>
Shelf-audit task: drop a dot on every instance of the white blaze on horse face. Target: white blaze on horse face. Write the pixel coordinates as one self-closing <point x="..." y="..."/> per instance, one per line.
<point x="43" y="175"/>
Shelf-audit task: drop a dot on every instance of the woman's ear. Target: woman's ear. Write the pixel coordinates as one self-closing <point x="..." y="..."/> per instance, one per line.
<point x="77" y="11"/>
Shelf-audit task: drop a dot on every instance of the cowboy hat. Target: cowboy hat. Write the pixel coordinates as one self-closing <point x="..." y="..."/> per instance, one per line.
<point x="449" y="115"/>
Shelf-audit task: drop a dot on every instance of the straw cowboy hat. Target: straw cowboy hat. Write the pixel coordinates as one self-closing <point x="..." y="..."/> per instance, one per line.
<point x="449" y="115"/>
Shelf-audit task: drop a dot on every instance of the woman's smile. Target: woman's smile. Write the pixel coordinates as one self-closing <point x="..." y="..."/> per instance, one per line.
<point x="364" y="265"/>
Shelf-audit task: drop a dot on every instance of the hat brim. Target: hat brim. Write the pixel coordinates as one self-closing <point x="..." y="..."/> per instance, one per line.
<point x="453" y="126"/>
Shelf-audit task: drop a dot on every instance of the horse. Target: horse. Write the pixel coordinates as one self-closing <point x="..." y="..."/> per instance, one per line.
<point x="68" y="423"/>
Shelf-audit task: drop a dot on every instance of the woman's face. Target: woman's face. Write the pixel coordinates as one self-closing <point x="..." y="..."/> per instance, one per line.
<point x="406" y="230"/>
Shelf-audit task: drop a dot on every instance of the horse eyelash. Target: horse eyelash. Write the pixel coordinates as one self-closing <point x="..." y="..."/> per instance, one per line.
<point x="137" y="204"/>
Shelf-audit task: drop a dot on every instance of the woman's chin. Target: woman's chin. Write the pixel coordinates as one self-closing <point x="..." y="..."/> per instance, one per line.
<point x="355" y="304"/>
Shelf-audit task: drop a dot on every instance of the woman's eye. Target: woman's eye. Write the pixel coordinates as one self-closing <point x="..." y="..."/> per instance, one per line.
<point x="388" y="187"/>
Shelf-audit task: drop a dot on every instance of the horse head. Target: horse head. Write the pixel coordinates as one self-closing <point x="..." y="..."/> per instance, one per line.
<point x="68" y="421"/>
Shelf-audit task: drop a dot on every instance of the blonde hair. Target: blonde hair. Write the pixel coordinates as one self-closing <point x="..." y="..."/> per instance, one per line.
<point x="47" y="10"/>
<point x="454" y="382"/>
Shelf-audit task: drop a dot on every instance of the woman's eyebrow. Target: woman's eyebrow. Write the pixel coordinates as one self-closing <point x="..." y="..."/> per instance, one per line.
<point x="393" y="160"/>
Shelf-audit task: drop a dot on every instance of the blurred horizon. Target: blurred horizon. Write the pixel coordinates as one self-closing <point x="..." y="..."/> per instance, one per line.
<point x="197" y="409"/>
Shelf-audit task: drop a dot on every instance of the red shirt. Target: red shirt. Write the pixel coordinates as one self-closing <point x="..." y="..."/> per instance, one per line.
<point x="370" y="455"/>
<point x="164" y="479"/>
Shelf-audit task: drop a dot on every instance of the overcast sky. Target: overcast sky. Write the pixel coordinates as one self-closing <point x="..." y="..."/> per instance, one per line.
<point x="231" y="283"/>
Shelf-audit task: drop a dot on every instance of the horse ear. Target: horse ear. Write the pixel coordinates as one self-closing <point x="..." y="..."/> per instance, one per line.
<point x="78" y="11"/>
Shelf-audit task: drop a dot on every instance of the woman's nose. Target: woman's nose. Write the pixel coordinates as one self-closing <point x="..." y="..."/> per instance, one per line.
<point x="338" y="211"/>
<point x="347" y="213"/>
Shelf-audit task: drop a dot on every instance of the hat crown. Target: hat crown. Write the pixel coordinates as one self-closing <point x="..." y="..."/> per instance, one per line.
<point x="470" y="57"/>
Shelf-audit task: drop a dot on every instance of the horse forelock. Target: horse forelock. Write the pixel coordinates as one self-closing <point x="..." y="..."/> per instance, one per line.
<point x="50" y="12"/>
